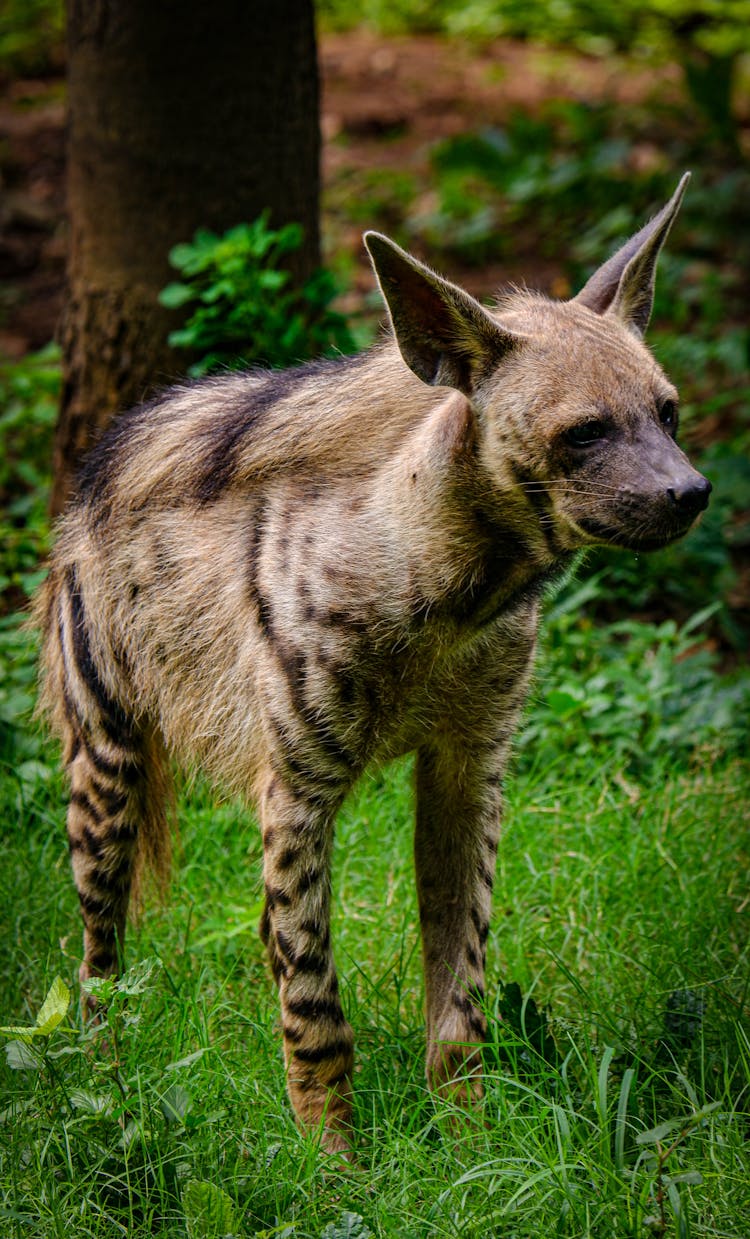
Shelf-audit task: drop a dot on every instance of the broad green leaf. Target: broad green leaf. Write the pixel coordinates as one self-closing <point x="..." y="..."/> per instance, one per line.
<point x="21" y="1057"/>
<point x="91" y="1103"/>
<point x="54" y="1008"/>
<point x="673" y="1125"/>
<point x="561" y="702"/>
<point x="175" y="295"/>
<point x="209" y="1211"/>
<point x="175" y="1103"/>
<point x="138" y="978"/>
<point x="51" y="1013"/>
<point x="655" y="1134"/>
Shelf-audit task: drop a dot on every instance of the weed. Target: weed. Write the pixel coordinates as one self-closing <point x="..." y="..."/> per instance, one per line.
<point x="242" y="308"/>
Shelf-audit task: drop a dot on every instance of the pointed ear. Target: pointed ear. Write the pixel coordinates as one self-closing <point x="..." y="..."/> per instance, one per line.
<point x="624" y="286"/>
<point x="446" y="337"/>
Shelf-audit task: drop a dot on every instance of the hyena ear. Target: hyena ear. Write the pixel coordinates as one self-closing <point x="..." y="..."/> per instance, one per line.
<point x="624" y="286"/>
<point x="446" y="337"/>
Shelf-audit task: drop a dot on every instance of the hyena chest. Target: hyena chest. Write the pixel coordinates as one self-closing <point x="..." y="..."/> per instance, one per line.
<point x="352" y="679"/>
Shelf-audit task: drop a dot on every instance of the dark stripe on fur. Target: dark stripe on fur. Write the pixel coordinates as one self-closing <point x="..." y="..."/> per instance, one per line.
<point x="319" y="1053"/>
<point x="276" y="898"/>
<point x="287" y="858"/>
<point x="114" y="801"/>
<point x="103" y="960"/>
<point x="114" y="720"/>
<point x="308" y="880"/>
<point x="481" y="926"/>
<point x="258" y="600"/>
<point x="94" y="907"/>
<point x="223" y="443"/>
<point x="123" y="771"/>
<point x="315" y="1009"/>
<point x="313" y="962"/>
<point x="295" y="1035"/>
<point x="81" y="801"/>
<point x="94" y="845"/>
<point x="294" y="666"/>
<point x="536" y="493"/>
<point x="317" y="788"/>
<point x="116" y="878"/>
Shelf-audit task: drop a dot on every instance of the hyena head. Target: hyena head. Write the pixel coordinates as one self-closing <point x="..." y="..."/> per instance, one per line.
<point x="570" y="407"/>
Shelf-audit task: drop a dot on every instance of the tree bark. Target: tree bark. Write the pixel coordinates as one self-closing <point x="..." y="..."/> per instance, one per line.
<point x="181" y="115"/>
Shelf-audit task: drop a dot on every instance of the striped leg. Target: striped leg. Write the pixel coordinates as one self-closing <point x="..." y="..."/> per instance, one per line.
<point x="458" y="825"/>
<point x="119" y="787"/>
<point x="103" y="819"/>
<point x="318" y="1042"/>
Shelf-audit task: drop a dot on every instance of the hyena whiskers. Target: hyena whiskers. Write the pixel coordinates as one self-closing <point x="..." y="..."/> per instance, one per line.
<point x="285" y="577"/>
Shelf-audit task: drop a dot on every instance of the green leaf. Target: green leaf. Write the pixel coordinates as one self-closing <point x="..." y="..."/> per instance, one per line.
<point x="21" y="1056"/>
<point x="103" y="989"/>
<point x="91" y="1103"/>
<point x="209" y="1211"/>
<point x="175" y="1103"/>
<point x="656" y="1134"/>
<point x="561" y="702"/>
<point x="348" y="1226"/>
<point x="174" y="295"/>
<point x="54" y="1008"/>
<point x="138" y="978"/>
<point x="51" y="1013"/>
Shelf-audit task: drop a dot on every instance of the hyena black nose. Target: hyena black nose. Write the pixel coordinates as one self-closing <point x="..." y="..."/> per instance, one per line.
<point x="691" y="497"/>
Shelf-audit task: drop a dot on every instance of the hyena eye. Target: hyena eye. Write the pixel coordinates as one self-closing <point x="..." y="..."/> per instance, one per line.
<point x="585" y="433"/>
<point x="668" y="416"/>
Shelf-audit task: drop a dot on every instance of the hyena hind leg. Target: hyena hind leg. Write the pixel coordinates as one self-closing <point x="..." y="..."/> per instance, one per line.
<point x="117" y="822"/>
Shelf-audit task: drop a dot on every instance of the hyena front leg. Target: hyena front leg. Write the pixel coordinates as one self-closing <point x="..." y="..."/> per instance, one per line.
<point x="318" y="1042"/>
<point x="458" y="824"/>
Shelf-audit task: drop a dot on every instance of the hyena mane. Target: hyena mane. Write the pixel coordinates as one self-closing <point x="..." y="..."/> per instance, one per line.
<point x="281" y="578"/>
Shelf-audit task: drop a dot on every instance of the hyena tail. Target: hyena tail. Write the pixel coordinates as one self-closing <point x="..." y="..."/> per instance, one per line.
<point x="120" y="786"/>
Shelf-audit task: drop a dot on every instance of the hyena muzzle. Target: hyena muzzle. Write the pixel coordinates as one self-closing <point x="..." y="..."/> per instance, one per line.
<point x="284" y="577"/>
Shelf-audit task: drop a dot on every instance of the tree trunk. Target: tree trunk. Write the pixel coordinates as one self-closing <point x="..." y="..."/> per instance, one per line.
<point x="181" y="115"/>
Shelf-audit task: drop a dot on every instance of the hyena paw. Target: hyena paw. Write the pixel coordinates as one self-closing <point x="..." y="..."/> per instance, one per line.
<point x="454" y="1072"/>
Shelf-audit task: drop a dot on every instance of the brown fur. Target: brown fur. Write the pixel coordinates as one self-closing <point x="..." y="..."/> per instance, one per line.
<point x="283" y="578"/>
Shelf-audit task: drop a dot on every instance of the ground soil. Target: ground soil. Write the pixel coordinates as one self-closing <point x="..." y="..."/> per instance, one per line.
<point x="385" y="101"/>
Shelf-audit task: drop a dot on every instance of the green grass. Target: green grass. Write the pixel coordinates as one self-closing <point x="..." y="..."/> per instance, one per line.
<point x="618" y="958"/>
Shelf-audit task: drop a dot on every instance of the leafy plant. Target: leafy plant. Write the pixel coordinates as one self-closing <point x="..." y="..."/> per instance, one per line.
<point x="243" y="307"/>
<point x="631" y="690"/>
<point x="666" y="1186"/>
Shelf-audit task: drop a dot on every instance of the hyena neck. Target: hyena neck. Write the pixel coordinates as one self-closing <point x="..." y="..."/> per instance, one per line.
<point x="472" y="550"/>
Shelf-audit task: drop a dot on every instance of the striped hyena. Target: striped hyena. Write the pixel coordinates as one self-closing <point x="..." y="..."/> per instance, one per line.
<point x="284" y="577"/>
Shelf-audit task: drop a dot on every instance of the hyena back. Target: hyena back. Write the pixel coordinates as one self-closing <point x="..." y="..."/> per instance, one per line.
<point x="285" y="577"/>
